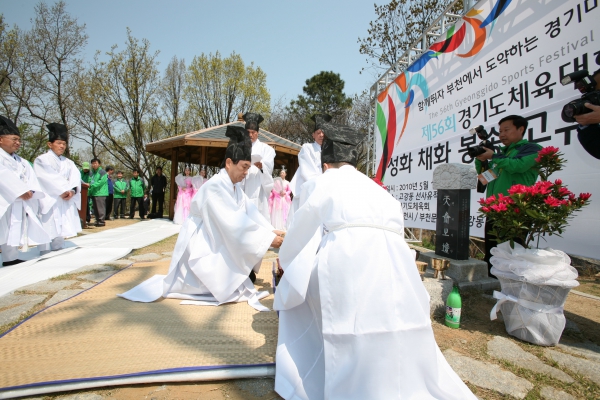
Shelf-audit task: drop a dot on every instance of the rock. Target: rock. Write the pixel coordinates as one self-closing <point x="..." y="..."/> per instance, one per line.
<point x="62" y="295"/>
<point x="145" y="257"/>
<point x="19" y="304"/>
<point x="488" y="376"/>
<point x="83" y="396"/>
<point x="86" y="285"/>
<point x="506" y="349"/>
<point x="590" y="351"/>
<point x="95" y="267"/>
<point x="97" y="276"/>
<point x="549" y="393"/>
<point x="587" y="368"/>
<point x="121" y="263"/>
<point x="438" y="290"/>
<point x="47" y="286"/>
<point x="167" y="253"/>
<point x="165" y="259"/>
<point x="454" y="176"/>
<point x="256" y="387"/>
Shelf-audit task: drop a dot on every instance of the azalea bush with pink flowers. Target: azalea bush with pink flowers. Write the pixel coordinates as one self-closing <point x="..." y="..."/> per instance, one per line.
<point x="530" y="212"/>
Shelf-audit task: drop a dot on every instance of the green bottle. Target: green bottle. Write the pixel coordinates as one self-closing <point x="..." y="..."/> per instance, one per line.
<point x="453" y="308"/>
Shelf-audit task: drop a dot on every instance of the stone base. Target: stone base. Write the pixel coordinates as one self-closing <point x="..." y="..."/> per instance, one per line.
<point x="470" y="270"/>
<point x="438" y="290"/>
<point x="483" y="285"/>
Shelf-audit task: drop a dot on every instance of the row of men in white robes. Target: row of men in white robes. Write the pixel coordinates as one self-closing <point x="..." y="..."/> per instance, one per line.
<point x="354" y="315"/>
<point x="38" y="204"/>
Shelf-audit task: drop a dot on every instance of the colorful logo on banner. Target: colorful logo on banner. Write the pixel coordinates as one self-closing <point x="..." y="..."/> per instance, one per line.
<point x="401" y="90"/>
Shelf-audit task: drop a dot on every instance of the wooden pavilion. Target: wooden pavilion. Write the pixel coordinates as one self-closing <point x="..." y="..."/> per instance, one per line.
<point x="207" y="147"/>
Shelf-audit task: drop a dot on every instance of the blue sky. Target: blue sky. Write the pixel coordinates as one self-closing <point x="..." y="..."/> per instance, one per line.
<point x="290" y="41"/>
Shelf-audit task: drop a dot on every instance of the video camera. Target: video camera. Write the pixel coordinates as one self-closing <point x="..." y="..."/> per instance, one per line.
<point x="586" y="85"/>
<point x="484" y="136"/>
<point x="480" y="149"/>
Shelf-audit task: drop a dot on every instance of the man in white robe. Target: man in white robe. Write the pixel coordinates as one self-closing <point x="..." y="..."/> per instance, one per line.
<point x="354" y="319"/>
<point x="222" y="239"/>
<point x="20" y="192"/>
<point x="309" y="163"/>
<point x="61" y="181"/>
<point x="259" y="182"/>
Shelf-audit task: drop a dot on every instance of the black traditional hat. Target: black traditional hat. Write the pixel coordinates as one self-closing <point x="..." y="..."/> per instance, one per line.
<point x="57" y="132"/>
<point x="320" y="119"/>
<point x="239" y="146"/>
<point x="340" y="144"/>
<point x="252" y="120"/>
<point x="7" y="127"/>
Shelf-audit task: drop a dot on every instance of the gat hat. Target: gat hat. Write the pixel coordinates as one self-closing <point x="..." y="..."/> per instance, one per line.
<point x="339" y="144"/>
<point x="320" y="119"/>
<point x="57" y="132"/>
<point x="7" y="127"/>
<point x="252" y="120"/>
<point x="239" y="146"/>
<point x="85" y="165"/>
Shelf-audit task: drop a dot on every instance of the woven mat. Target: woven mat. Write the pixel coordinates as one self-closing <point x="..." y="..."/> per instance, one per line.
<point x="97" y="334"/>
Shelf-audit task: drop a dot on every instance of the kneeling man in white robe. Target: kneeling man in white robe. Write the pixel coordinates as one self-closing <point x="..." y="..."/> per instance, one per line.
<point x="61" y="181"/>
<point x="354" y="319"/>
<point x="20" y="192"/>
<point x="220" y="242"/>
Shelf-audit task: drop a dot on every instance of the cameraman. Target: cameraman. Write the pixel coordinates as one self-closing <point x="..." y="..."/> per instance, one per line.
<point x="512" y="164"/>
<point x="588" y="131"/>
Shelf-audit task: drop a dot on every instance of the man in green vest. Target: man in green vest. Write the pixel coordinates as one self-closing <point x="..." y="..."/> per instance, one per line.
<point x="511" y="165"/>
<point x="120" y="189"/>
<point x="98" y="191"/>
<point x="137" y="187"/>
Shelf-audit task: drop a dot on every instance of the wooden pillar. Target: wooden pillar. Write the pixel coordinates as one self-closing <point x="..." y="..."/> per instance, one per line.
<point x="292" y="167"/>
<point x="203" y="151"/>
<point x="173" y="190"/>
<point x="84" y="201"/>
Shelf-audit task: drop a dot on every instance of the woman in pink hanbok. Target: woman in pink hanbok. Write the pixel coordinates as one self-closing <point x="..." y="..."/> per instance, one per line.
<point x="280" y="201"/>
<point x="187" y="186"/>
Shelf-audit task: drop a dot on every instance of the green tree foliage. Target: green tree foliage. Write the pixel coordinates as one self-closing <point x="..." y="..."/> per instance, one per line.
<point x="398" y="25"/>
<point x="220" y="88"/>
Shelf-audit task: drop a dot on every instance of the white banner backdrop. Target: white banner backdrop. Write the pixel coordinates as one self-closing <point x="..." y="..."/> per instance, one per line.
<point x="502" y="58"/>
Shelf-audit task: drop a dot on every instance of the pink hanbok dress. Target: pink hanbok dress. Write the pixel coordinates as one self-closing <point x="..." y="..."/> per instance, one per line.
<point x="279" y="204"/>
<point x="185" y="194"/>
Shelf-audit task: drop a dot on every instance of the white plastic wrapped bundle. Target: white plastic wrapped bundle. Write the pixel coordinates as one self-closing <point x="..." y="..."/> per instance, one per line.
<point x="535" y="284"/>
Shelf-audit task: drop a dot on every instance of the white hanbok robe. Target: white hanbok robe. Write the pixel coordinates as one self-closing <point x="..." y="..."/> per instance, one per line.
<point x="56" y="176"/>
<point x="309" y="167"/>
<point x="258" y="185"/>
<point x="19" y="222"/>
<point x="354" y="319"/>
<point x="222" y="239"/>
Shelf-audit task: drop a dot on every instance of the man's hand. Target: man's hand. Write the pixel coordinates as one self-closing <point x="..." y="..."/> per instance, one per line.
<point x="589" y="118"/>
<point x="26" y="195"/>
<point x="276" y="243"/>
<point x="67" y="195"/>
<point x="122" y="191"/>
<point x="258" y="165"/>
<point x="486" y="156"/>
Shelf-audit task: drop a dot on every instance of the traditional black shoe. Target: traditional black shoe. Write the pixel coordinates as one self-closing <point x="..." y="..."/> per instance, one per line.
<point x="252" y="276"/>
<point x="13" y="262"/>
<point x="99" y="225"/>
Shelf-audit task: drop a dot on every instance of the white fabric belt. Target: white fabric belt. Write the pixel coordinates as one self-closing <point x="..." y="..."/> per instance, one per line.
<point x="503" y="298"/>
<point x="345" y="226"/>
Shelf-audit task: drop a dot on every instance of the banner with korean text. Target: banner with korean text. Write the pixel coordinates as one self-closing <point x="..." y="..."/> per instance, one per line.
<point x="504" y="57"/>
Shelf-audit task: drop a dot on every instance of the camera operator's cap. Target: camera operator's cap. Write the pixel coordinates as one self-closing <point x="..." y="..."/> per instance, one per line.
<point x="239" y="147"/>
<point x="339" y="144"/>
<point x="252" y="120"/>
<point x="57" y="132"/>
<point x="320" y="119"/>
<point x="85" y="165"/>
<point x="7" y="127"/>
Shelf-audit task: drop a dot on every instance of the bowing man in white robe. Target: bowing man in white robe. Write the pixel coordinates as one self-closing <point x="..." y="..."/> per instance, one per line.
<point x="259" y="181"/>
<point x="354" y="319"/>
<point x="222" y="239"/>
<point x="61" y="181"/>
<point x="309" y="163"/>
<point x="20" y="192"/>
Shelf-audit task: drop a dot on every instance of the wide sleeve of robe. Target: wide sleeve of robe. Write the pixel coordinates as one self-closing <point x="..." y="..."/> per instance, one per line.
<point x="180" y="181"/>
<point x="11" y="187"/>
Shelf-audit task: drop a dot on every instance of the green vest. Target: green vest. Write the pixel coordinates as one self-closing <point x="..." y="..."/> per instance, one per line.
<point x="118" y="185"/>
<point x="98" y="183"/>
<point x="137" y="187"/>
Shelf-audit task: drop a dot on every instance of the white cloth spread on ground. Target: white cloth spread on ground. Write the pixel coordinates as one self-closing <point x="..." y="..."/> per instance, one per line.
<point x="222" y="239"/>
<point x="354" y="315"/>
<point x="258" y="185"/>
<point x="56" y="176"/>
<point x="309" y="167"/>
<point x="19" y="223"/>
